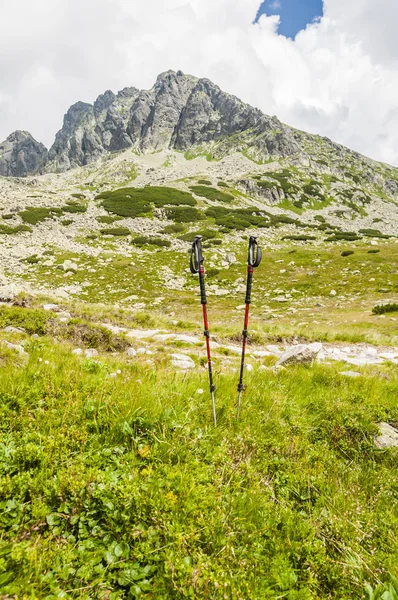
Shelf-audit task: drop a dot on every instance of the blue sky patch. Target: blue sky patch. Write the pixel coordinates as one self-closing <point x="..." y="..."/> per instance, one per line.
<point x="295" y="14"/>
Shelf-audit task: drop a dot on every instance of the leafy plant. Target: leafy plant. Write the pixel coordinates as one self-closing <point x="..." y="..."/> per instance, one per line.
<point x="382" y="309"/>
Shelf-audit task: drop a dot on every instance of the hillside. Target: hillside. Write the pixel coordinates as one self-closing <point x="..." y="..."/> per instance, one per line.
<point x="114" y="484"/>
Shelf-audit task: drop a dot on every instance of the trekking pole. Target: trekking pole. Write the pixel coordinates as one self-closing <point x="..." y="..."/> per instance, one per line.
<point x="196" y="266"/>
<point x="253" y="261"/>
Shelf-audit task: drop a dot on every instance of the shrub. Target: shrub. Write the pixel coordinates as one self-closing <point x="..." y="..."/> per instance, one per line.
<point x="373" y="251"/>
<point x="36" y="215"/>
<point x="204" y="182"/>
<point x="211" y="193"/>
<point x="79" y="196"/>
<point x="347" y="253"/>
<point x="212" y="272"/>
<point x="207" y="234"/>
<point x="143" y="240"/>
<point x="32" y="260"/>
<point x="184" y="214"/>
<point x="8" y="216"/>
<point x="212" y="243"/>
<point x="381" y="309"/>
<point x="66" y="222"/>
<point x="116" y="231"/>
<point x="174" y="228"/>
<point x="92" y="336"/>
<point x="299" y="238"/>
<point x="238" y="219"/>
<point x="320" y="218"/>
<point x="107" y="220"/>
<point x="374" y="233"/>
<point x="74" y="207"/>
<point x="223" y="184"/>
<point x="343" y="236"/>
<point x="136" y="202"/>
<point x="4" y="229"/>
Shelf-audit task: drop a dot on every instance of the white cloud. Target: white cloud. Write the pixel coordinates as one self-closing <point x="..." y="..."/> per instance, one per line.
<point x="275" y="5"/>
<point x="338" y="78"/>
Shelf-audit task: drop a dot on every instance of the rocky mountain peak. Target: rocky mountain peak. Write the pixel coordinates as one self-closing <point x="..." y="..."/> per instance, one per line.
<point x="21" y="155"/>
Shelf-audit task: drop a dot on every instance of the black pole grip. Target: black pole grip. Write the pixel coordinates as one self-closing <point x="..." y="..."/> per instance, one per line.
<point x="249" y="285"/>
<point x="202" y="285"/>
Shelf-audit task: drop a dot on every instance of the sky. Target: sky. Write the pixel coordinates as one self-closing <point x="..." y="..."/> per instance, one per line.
<point x="337" y="77"/>
<point x="295" y="15"/>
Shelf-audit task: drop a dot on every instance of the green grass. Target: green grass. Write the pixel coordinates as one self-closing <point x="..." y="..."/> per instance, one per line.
<point x="136" y="202"/>
<point x="122" y="488"/>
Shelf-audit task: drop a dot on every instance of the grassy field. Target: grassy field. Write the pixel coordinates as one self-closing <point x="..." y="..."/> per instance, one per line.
<point x="114" y="483"/>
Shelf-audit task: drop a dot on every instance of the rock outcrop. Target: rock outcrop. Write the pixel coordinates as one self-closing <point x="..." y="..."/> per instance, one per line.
<point x="21" y="155"/>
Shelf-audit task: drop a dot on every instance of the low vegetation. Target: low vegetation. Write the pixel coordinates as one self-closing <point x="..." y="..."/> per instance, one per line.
<point x="211" y="193"/>
<point x="136" y="202"/>
<point x="382" y="309"/>
<point x="116" y="231"/>
<point x="143" y="240"/>
<point x="6" y="230"/>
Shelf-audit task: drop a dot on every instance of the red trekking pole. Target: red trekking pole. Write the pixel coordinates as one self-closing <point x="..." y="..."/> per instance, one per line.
<point x="253" y="261"/>
<point x="196" y="266"/>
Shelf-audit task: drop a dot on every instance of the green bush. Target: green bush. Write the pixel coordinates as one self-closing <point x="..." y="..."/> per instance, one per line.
<point x="374" y="233"/>
<point x="204" y="182"/>
<point x="211" y="243"/>
<point x="320" y="218"/>
<point x="66" y="222"/>
<point x="211" y="193"/>
<point x="373" y="251"/>
<point x="343" y="236"/>
<point x="34" y="215"/>
<point x="32" y="260"/>
<point x="74" y="207"/>
<point x="139" y="202"/>
<point x="223" y="184"/>
<point x="143" y="240"/>
<point x="79" y="196"/>
<point x="347" y="253"/>
<point x="238" y="219"/>
<point x="4" y="229"/>
<point x="382" y="309"/>
<point x="207" y="234"/>
<point x="174" y="228"/>
<point x="300" y="238"/>
<point x="107" y="220"/>
<point x="116" y="231"/>
<point x="8" y="216"/>
<point x="212" y="272"/>
<point x="184" y="214"/>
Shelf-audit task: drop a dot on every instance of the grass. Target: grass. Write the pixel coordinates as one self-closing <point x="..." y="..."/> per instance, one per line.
<point x="136" y="202"/>
<point x="122" y="488"/>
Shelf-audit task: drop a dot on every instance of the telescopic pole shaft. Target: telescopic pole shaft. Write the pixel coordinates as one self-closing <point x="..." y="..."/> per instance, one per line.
<point x="207" y="336"/>
<point x="245" y="333"/>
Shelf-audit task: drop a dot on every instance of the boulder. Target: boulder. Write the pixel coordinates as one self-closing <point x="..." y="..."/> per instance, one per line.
<point x="388" y="437"/>
<point x="300" y="354"/>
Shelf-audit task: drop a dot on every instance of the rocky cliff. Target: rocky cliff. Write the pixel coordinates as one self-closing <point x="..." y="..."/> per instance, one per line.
<point x="180" y="112"/>
<point x="21" y="155"/>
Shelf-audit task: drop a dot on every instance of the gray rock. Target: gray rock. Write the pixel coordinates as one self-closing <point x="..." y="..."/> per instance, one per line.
<point x="183" y="362"/>
<point x="11" y="329"/>
<point x="388" y="437"/>
<point x="131" y="352"/>
<point x="352" y="374"/>
<point x="91" y="352"/>
<point x="21" y="155"/>
<point x="300" y="354"/>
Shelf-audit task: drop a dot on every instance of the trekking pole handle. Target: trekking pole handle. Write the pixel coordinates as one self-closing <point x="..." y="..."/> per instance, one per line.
<point x="203" y="298"/>
<point x="255" y="253"/>
<point x="249" y="284"/>
<point x="196" y="255"/>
